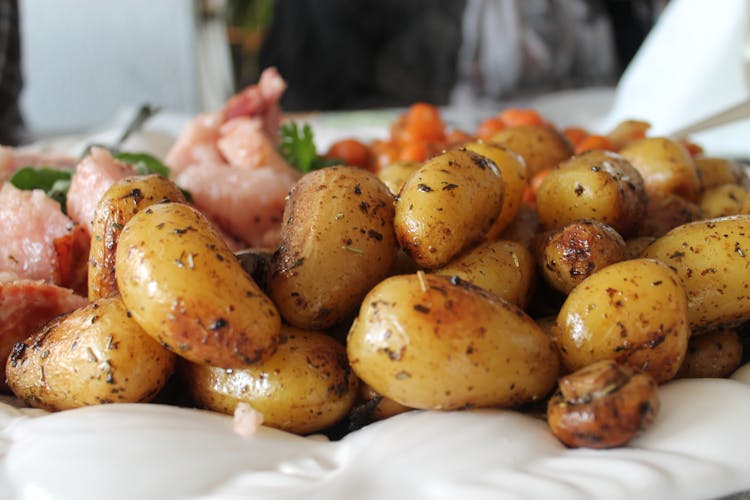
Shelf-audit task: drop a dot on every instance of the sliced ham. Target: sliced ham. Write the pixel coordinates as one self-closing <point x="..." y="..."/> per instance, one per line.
<point x="39" y="241"/>
<point x="93" y="176"/>
<point x="26" y="306"/>
<point x="228" y="162"/>
<point x="12" y="159"/>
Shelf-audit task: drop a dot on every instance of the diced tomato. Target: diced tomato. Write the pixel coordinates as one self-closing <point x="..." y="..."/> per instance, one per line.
<point x="575" y="135"/>
<point x="594" y="142"/>
<point x="514" y="117"/>
<point x="351" y="152"/>
<point x="489" y="128"/>
<point x="529" y="194"/>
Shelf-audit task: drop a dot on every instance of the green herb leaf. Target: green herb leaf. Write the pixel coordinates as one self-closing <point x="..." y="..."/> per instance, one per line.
<point x="55" y="182"/>
<point x="298" y="148"/>
<point x="144" y="163"/>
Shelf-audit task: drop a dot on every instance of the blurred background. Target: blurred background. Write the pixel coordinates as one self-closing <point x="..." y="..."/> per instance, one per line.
<point x="70" y="66"/>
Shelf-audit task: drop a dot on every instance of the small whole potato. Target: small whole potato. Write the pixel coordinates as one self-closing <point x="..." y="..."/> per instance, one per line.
<point x="122" y="200"/>
<point x="306" y="386"/>
<point x="711" y="259"/>
<point x="448" y="205"/>
<point x="572" y="253"/>
<point x="594" y="185"/>
<point x="434" y="342"/>
<point x="633" y="312"/>
<point x="666" y="211"/>
<point x="96" y="354"/>
<point x="337" y="242"/>
<point x="186" y="289"/>
<point x="723" y="200"/>
<point x="513" y="170"/>
<point x="714" y="172"/>
<point x="394" y="175"/>
<point x="540" y="146"/>
<point x="503" y="267"/>
<point x="716" y="354"/>
<point x="666" y="166"/>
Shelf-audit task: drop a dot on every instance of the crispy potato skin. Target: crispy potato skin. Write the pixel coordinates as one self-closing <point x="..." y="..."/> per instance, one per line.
<point x="337" y="242"/>
<point x="394" y="175"/>
<point x="666" y="166"/>
<point x="714" y="172"/>
<point x="448" y="205"/>
<point x="711" y="259"/>
<point x="602" y="406"/>
<point x="572" y="253"/>
<point x="723" y="200"/>
<point x="513" y="170"/>
<point x="716" y="354"/>
<point x="633" y="312"/>
<point x="594" y="185"/>
<point x="505" y="268"/>
<point x="186" y="289"/>
<point x="430" y="342"/>
<point x="96" y="354"/>
<point x="541" y="147"/>
<point x="306" y="386"/>
<point x="666" y="211"/>
<point x="122" y="200"/>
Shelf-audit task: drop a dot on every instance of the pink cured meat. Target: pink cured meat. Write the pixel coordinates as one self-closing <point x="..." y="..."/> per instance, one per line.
<point x="26" y="306"/>
<point x="93" y="176"/>
<point x="39" y="241"/>
<point x="228" y="162"/>
<point x="12" y="160"/>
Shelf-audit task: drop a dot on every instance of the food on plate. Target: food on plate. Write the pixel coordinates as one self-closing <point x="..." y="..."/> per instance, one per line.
<point x="665" y="165"/>
<point x="666" y="211"/>
<point x="184" y="286"/>
<point x="13" y="160"/>
<point x="437" y="342"/>
<point x="541" y="146"/>
<point x="26" y="306"/>
<point x="93" y="355"/>
<point x="40" y="242"/>
<point x="337" y="242"/>
<point x="603" y="405"/>
<point x="723" y="200"/>
<point x="710" y="258"/>
<point x="117" y="206"/>
<point x="570" y="254"/>
<point x="717" y="353"/>
<point x="447" y="205"/>
<point x="595" y="185"/>
<point x="634" y="312"/>
<point x="503" y="267"/>
<point x="394" y="175"/>
<point x="304" y="387"/>
<point x="714" y="172"/>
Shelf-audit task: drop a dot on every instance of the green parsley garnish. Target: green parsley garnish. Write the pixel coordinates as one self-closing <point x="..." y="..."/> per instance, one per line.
<point x="53" y="181"/>
<point x="298" y="148"/>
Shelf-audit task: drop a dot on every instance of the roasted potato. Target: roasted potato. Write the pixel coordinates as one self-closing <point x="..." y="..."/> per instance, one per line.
<point x="716" y="354"/>
<point x="186" y="289"/>
<point x="666" y="211"/>
<point x="714" y="172"/>
<point x="306" y="386"/>
<point x="503" y="267"/>
<point x="711" y="259"/>
<point x="337" y="242"/>
<point x="723" y="200"/>
<point x="513" y="171"/>
<point x="448" y="205"/>
<point x="122" y="200"/>
<point x="665" y="165"/>
<point x="434" y="342"/>
<point x="383" y="407"/>
<point x="96" y="354"/>
<point x="594" y="185"/>
<point x="524" y="228"/>
<point x="540" y="146"/>
<point x="572" y="253"/>
<point x="633" y="312"/>
<point x="394" y="175"/>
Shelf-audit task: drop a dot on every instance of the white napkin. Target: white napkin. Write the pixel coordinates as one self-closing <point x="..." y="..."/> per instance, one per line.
<point x="692" y="64"/>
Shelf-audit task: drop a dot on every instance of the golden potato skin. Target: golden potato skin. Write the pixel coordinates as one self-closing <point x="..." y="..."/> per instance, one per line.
<point x="666" y="166"/>
<point x="505" y="268"/>
<point x="723" y="200"/>
<point x="394" y="175"/>
<point x="711" y="258"/>
<point x="714" y="171"/>
<point x="717" y="353"/>
<point x="447" y="205"/>
<point x="306" y="386"/>
<point x="633" y="312"/>
<point x="540" y="146"/>
<point x="94" y="355"/>
<point x="433" y="342"/>
<point x="666" y="211"/>
<point x="122" y="200"/>
<point x="513" y="171"/>
<point x="337" y="242"/>
<point x="594" y="185"/>
<point x="572" y="253"/>
<point x="186" y="289"/>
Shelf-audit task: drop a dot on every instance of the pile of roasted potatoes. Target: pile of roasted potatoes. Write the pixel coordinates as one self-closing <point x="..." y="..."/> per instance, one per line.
<point x="436" y="285"/>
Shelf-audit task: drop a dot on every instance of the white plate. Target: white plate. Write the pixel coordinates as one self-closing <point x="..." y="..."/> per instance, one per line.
<point x="698" y="447"/>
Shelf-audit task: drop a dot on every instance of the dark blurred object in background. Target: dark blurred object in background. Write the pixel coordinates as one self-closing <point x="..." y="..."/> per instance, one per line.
<point x="11" y="83"/>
